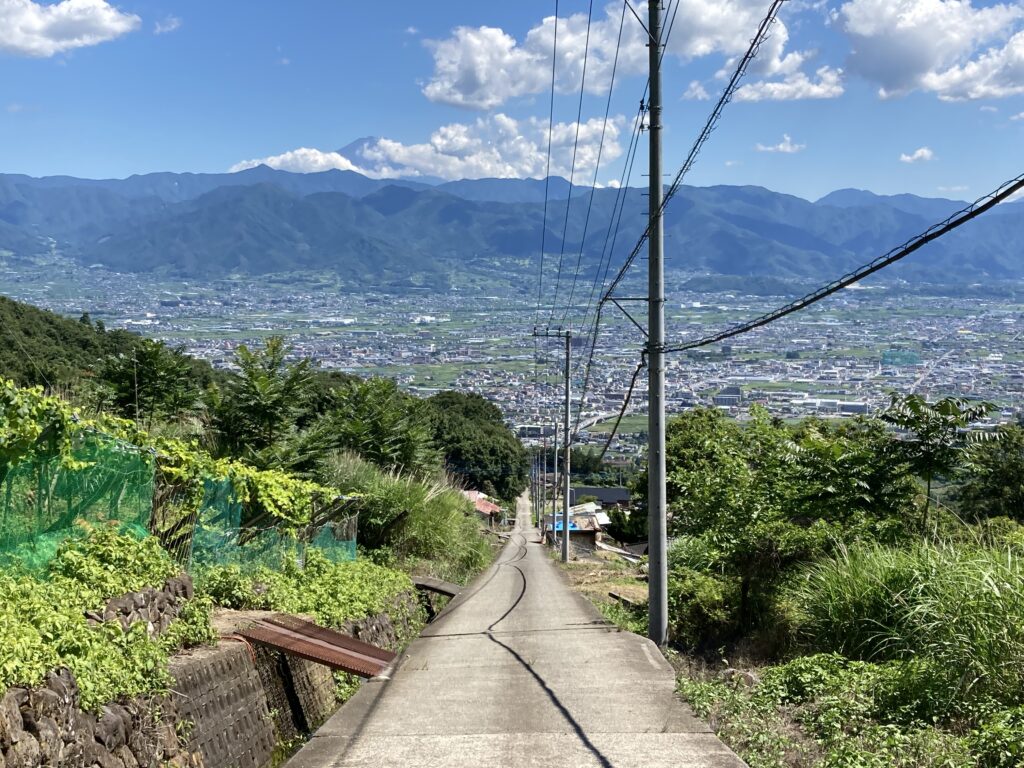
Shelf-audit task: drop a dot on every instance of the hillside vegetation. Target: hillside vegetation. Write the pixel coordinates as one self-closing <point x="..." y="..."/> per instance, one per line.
<point x="849" y="595"/>
<point x="404" y="234"/>
<point x="288" y="450"/>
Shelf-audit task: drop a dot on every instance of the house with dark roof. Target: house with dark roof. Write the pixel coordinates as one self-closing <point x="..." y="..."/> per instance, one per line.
<point x="608" y="497"/>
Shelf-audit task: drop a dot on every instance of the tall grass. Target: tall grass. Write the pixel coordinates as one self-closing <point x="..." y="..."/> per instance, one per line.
<point x="956" y="610"/>
<point x="426" y="524"/>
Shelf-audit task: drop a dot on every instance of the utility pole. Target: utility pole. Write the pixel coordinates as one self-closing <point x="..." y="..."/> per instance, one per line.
<point x="558" y="333"/>
<point x="533" y="486"/>
<point x="657" y="544"/>
<point x="543" y="484"/>
<point x="554" y="483"/>
<point x="568" y="452"/>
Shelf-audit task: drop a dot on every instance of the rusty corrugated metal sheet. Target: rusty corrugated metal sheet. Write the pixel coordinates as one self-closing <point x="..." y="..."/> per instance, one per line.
<point x="347" y="642"/>
<point x="319" y="644"/>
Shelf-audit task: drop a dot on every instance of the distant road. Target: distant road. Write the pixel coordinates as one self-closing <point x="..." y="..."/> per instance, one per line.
<point x="520" y="671"/>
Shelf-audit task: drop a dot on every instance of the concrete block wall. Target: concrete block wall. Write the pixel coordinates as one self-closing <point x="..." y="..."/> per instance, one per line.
<point x="220" y="698"/>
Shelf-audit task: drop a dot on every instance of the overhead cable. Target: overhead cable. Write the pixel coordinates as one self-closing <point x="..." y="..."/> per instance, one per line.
<point x="934" y="232"/>
<point x="572" y="167"/>
<point x="597" y="166"/>
<point x="705" y="134"/>
<point x="547" y="172"/>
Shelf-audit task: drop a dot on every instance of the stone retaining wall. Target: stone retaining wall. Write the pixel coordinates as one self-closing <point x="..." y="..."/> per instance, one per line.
<point x="46" y="727"/>
<point x="230" y="707"/>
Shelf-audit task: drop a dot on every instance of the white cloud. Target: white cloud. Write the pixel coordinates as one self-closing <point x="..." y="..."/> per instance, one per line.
<point x="997" y="73"/>
<point x="955" y="188"/>
<point x="786" y="146"/>
<point x="411" y="31"/>
<point x="989" y="108"/>
<point x="696" y="91"/>
<point x="732" y="163"/>
<point x="168" y="24"/>
<point x="485" y="67"/>
<point x="922" y="155"/>
<point x="495" y="146"/>
<point x="33" y="29"/>
<point x="948" y="47"/>
<point x="302" y="160"/>
<point x="1019" y="116"/>
<point x="798" y="85"/>
<point x="14" y="108"/>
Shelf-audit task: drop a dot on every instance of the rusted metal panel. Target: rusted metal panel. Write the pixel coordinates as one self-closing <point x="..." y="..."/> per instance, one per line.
<point x="323" y="646"/>
<point x="327" y="635"/>
<point x="436" y="585"/>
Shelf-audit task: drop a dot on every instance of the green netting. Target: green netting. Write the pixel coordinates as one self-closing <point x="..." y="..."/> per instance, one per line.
<point x="221" y="538"/>
<point x="337" y="540"/>
<point x="47" y="499"/>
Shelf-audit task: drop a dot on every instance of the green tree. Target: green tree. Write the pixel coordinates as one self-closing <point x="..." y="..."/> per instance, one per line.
<point x="993" y="478"/>
<point x="151" y="381"/>
<point x="847" y="474"/>
<point x="934" y="445"/>
<point x="729" y="486"/>
<point x="260" y="406"/>
<point x="757" y="498"/>
<point x="383" y="425"/>
<point x="477" y="445"/>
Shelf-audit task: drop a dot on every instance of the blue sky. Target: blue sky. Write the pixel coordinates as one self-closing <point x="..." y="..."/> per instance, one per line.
<point x="889" y="95"/>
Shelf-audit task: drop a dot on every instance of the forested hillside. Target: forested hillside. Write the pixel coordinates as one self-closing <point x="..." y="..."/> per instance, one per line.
<point x="376" y="231"/>
<point x="38" y="347"/>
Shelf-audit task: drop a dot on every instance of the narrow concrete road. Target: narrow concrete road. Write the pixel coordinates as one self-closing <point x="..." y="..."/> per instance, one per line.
<point x="519" y="670"/>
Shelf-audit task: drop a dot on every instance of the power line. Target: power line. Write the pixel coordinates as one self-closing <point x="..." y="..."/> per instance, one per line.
<point x="625" y="404"/>
<point x="709" y="127"/>
<point x="572" y="167"/>
<point x="31" y="358"/>
<point x="934" y="232"/>
<point x="611" y="237"/>
<point x="604" y="262"/>
<point x="547" y="171"/>
<point x="705" y="134"/>
<point x="623" y="190"/>
<point x="597" y="165"/>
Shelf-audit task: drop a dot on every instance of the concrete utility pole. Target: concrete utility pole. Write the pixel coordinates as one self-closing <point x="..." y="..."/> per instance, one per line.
<point x="568" y="452"/>
<point x="554" y="483"/>
<point x="558" y="333"/>
<point x="533" y="486"/>
<point x="656" y="494"/>
<point x="543" y="485"/>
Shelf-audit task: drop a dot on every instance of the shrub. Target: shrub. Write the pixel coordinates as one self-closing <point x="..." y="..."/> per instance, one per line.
<point x="425" y="523"/>
<point x="700" y="608"/>
<point x="107" y="564"/>
<point x="43" y="624"/>
<point x="999" y="742"/>
<point x="957" y="607"/>
<point x="333" y="593"/>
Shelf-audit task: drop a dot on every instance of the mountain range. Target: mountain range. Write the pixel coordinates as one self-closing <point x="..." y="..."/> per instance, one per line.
<point x="378" y="231"/>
